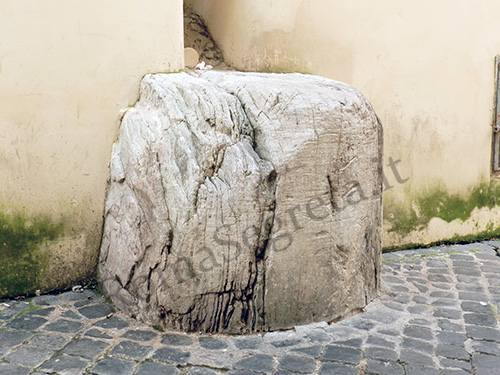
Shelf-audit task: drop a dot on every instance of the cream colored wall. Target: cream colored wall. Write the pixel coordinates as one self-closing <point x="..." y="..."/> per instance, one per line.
<point x="427" y="67"/>
<point x="67" y="69"/>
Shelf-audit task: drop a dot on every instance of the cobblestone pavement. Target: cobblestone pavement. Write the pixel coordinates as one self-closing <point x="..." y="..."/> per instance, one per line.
<point x="437" y="314"/>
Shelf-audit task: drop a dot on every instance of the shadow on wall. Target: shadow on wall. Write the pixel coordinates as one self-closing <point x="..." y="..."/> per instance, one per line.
<point x="198" y="37"/>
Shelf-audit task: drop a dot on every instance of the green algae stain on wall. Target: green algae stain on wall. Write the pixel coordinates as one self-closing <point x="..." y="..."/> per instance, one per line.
<point x="439" y="203"/>
<point x="21" y="260"/>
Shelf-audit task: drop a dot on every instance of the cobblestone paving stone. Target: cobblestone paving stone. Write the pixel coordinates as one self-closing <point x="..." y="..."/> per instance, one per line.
<point x="438" y="313"/>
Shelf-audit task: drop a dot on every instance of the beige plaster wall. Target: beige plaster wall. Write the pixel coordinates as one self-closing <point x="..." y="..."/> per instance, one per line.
<point x="67" y="70"/>
<point x="428" y="69"/>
